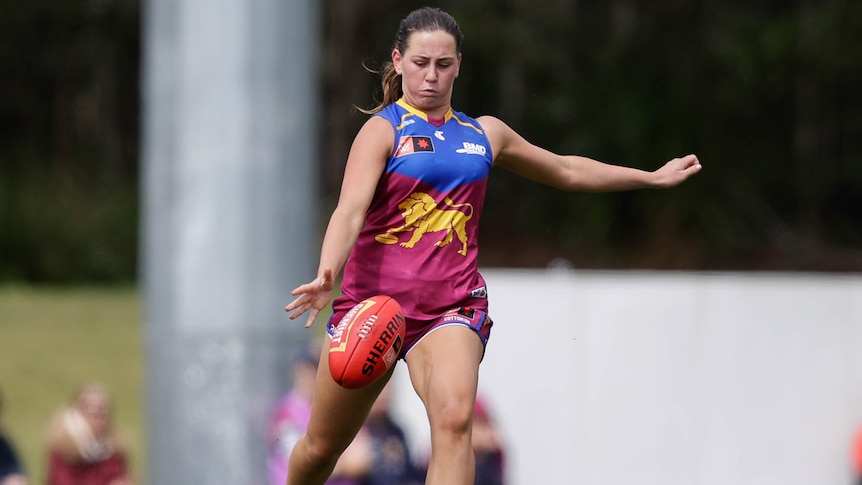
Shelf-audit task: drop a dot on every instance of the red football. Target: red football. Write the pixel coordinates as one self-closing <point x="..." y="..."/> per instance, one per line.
<point x="366" y="342"/>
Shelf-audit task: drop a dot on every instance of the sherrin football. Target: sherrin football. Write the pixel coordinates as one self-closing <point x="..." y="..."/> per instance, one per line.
<point x="366" y="342"/>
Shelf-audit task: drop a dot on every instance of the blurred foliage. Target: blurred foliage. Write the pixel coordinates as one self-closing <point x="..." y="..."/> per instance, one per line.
<point x="69" y="140"/>
<point x="765" y="92"/>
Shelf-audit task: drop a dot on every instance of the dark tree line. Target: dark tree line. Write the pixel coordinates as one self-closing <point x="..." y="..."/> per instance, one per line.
<point x="765" y="92"/>
<point x="68" y="140"/>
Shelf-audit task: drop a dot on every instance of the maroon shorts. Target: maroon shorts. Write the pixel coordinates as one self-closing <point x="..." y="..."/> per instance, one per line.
<point x="416" y="330"/>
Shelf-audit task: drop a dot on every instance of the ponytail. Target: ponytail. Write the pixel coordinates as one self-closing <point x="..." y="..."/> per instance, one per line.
<point x="391" y="83"/>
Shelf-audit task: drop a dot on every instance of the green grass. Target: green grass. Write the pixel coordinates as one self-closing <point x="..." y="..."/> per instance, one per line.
<point x="51" y="341"/>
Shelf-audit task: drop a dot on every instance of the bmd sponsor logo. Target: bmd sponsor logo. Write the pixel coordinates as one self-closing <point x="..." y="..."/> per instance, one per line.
<point x="471" y="148"/>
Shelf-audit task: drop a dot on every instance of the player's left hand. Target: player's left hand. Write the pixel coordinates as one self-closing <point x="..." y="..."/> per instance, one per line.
<point x="676" y="171"/>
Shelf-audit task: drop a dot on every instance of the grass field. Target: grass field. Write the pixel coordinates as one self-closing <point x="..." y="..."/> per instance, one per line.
<point x="51" y="341"/>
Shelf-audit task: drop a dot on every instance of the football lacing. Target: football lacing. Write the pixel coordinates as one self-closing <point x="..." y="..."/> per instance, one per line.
<point x="366" y="326"/>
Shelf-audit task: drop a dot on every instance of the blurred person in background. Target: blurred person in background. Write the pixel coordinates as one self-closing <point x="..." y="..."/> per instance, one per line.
<point x="290" y="420"/>
<point x="488" y="446"/>
<point x="385" y="444"/>
<point x="857" y="457"/>
<point x="83" y="447"/>
<point x="11" y="471"/>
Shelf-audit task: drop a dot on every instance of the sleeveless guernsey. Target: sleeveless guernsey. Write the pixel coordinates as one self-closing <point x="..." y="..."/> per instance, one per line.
<point x="419" y="244"/>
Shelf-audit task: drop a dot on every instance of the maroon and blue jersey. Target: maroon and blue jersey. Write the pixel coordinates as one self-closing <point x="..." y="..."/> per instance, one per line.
<point x="419" y="244"/>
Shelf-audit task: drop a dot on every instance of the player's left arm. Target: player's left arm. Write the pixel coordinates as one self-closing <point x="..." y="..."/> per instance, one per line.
<point x="577" y="173"/>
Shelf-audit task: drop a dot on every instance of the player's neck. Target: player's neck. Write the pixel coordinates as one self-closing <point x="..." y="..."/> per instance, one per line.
<point x="436" y="117"/>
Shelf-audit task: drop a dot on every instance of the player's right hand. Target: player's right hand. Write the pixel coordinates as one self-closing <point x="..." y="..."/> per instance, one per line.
<point x="311" y="297"/>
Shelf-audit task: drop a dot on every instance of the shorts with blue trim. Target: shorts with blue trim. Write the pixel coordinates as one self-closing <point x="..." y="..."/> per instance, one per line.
<point x="473" y="318"/>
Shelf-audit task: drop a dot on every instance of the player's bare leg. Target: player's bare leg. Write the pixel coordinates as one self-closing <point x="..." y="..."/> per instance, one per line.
<point x="337" y="414"/>
<point x="444" y="368"/>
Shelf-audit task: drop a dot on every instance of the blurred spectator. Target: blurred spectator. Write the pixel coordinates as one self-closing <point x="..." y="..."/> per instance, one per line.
<point x="83" y="448"/>
<point x="11" y="471"/>
<point x="386" y="446"/>
<point x="488" y="447"/>
<point x="857" y="457"/>
<point x="290" y="420"/>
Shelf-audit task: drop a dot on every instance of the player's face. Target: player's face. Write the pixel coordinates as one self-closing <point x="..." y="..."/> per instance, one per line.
<point x="428" y="68"/>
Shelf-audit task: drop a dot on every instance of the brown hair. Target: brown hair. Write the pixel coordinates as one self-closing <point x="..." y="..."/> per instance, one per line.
<point x="427" y="19"/>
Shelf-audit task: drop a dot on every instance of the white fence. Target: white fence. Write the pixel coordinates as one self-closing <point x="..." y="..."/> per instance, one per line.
<point x="611" y="378"/>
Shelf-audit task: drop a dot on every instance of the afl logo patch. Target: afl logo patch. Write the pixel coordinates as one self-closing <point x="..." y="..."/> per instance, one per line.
<point x="414" y="144"/>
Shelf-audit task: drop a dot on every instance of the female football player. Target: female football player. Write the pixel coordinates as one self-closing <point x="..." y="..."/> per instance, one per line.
<point x="406" y="225"/>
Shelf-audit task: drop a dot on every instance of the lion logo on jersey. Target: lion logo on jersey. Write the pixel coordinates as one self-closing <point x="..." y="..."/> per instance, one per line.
<point x="421" y="215"/>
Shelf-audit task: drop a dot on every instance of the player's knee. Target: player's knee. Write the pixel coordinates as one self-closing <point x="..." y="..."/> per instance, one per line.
<point x="453" y="416"/>
<point x="321" y="453"/>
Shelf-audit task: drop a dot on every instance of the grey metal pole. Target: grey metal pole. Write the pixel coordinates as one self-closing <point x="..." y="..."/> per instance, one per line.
<point x="229" y="225"/>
